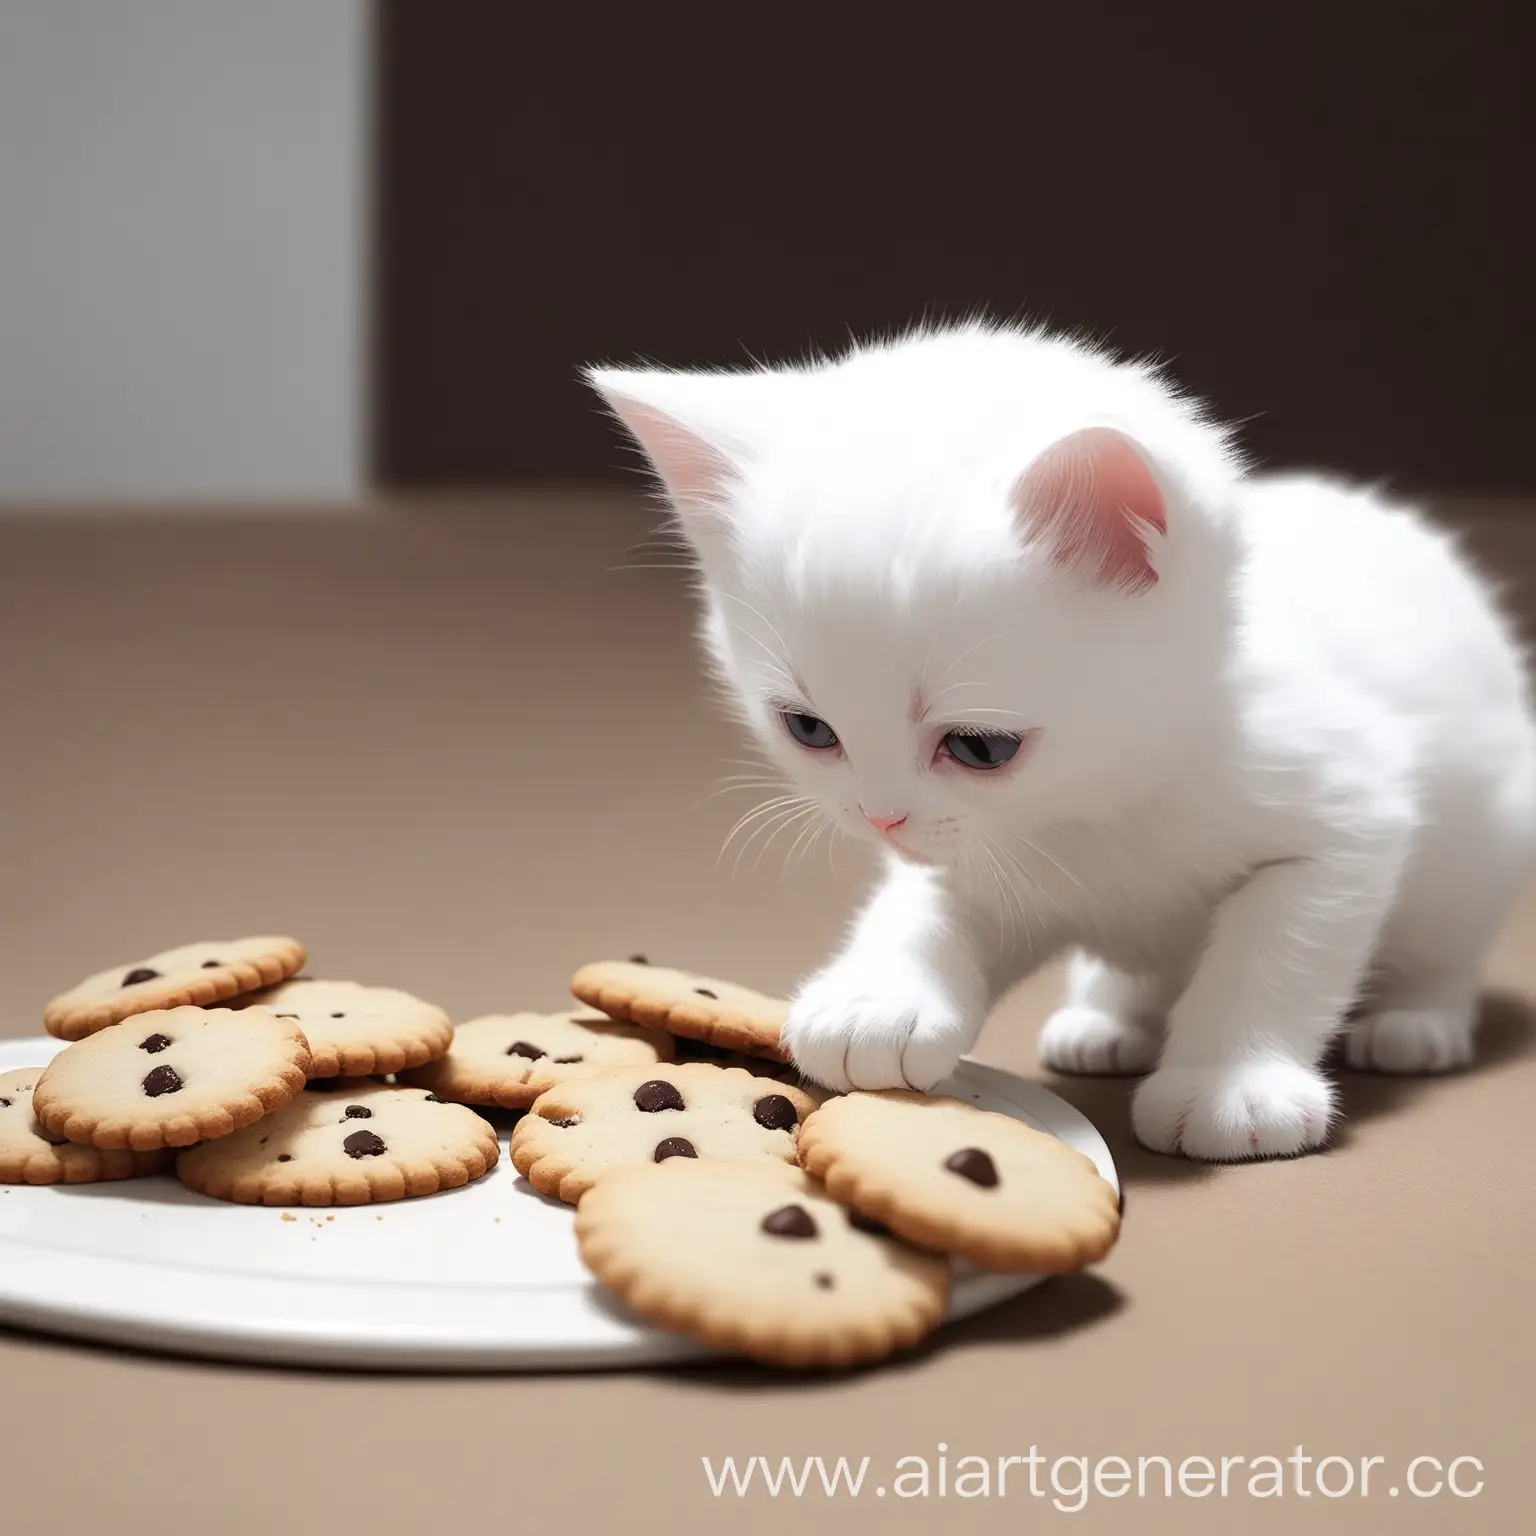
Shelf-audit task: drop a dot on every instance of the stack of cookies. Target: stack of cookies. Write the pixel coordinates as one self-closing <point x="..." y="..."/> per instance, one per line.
<point x="261" y="1085"/>
<point x="722" y="1198"/>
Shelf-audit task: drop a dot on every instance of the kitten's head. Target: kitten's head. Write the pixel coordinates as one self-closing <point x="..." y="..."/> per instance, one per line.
<point x="962" y="586"/>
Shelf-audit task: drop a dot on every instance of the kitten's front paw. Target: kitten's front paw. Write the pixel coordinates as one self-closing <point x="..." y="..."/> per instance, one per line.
<point x="865" y="1024"/>
<point x="1089" y="1040"/>
<point x="1229" y="1114"/>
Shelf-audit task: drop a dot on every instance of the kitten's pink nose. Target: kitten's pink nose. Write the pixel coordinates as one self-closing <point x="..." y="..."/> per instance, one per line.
<point x="885" y="823"/>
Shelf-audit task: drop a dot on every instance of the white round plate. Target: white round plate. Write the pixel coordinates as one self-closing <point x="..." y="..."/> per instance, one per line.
<point x="482" y="1278"/>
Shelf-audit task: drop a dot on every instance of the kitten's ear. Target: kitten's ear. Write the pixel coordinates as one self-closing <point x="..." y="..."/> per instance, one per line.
<point x="1092" y="503"/>
<point x="657" y="410"/>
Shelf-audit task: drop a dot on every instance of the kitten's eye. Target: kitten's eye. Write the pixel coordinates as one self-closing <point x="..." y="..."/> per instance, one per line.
<point x="809" y="730"/>
<point x="982" y="749"/>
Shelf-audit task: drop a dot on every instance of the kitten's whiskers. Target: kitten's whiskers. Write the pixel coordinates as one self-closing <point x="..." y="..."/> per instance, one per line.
<point x="737" y="784"/>
<point x="765" y="808"/>
<point x="780" y="822"/>
<point x="1028" y="880"/>
<point x="1040" y="852"/>
<point x="804" y="841"/>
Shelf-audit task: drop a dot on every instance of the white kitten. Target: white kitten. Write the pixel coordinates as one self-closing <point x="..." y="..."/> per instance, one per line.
<point x="1258" y="749"/>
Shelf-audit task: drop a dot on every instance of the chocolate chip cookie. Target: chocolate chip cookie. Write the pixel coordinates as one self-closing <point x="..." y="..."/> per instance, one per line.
<point x="195" y="974"/>
<point x="510" y="1059"/>
<point x="358" y="1031"/>
<point x="29" y="1155"/>
<point x="949" y="1176"/>
<point x="720" y="1013"/>
<point x="353" y="1146"/>
<point x="650" y="1113"/>
<point x="756" y="1259"/>
<point x="171" y="1077"/>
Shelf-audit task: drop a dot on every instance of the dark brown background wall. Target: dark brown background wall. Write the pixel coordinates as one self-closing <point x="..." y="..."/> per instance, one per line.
<point x="1318" y="211"/>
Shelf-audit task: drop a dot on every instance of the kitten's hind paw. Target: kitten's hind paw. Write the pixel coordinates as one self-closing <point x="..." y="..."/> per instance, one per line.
<point x="1411" y="1040"/>
<point x="1080" y="1039"/>
<point x="1228" y="1114"/>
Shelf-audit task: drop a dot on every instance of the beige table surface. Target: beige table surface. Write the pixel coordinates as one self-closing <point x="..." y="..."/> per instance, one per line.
<point x="456" y="752"/>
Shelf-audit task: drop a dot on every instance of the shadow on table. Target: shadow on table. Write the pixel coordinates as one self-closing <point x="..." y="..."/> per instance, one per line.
<point x="1061" y="1305"/>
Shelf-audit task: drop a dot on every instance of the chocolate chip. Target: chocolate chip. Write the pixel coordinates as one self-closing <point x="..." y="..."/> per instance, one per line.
<point x="824" y="1281"/>
<point x="523" y="1048"/>
<point x="705" y="992"/>
<point x="154" y="1044"/>
<point x="5" y="1103"/>
<point x="973" y="1164"/>
<point x="674" y="1146"/>
<point x="363" y="1144"/>
<point x="162" y="1080"/>
<point x="139" y="973"/>
<point x="868" y="1224"/>
<point x="212" y="965"/>
<point x="657" y="1094"/>
<point x="432" y="1098"/>
<point x="285" y="1157"/>
<point x="565" y="1061"/>
<point x="638" y="960"/>
<point x="357" y="1112"/>
<point x="569" y="1121"/>
<point x="338" y="1015"/>
<point x="790" y="1221"/>
<point x="775" y="1113"/>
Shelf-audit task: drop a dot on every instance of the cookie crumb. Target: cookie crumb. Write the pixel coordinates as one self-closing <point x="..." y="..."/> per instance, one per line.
<point x="289" y="1216"/>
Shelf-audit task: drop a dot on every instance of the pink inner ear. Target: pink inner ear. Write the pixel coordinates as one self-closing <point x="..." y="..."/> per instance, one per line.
<point x="1092" y="502"/>
<point x="695" y="473"/>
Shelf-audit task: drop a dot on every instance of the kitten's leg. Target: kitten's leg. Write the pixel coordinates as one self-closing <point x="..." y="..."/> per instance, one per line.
<point x="1109" y="1022"/>
<point x="907" y="996"/>
<point x="1466" y="872"/>
<point x="1239" y="1076"/>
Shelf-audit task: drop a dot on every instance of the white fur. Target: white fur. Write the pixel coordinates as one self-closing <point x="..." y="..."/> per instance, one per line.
<point x="1296" y="775"/>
